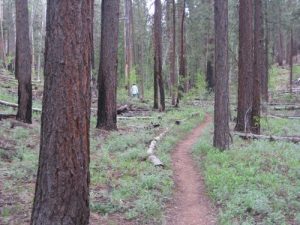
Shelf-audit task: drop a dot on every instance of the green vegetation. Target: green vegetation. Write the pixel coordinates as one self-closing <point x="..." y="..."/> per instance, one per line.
<point x="127" y="182"/>
<point x="255" y="182"/>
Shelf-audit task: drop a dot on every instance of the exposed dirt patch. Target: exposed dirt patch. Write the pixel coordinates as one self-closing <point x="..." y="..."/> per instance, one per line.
<point x="191" y="205"/>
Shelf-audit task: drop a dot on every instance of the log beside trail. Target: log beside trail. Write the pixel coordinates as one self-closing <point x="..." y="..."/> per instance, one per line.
<point x="15" y="106"/>
<point x="287" y="107"/>
<point x="295" y="140"/>
<point x="150" y="152"/>
<point x="7" y="116"/>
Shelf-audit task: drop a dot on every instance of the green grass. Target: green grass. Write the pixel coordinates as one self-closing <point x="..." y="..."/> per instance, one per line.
<point x="129" y="184"/>
<point x="280" y="126"/>
<point x="255" y="182"/>
<point x="296" y="71"/>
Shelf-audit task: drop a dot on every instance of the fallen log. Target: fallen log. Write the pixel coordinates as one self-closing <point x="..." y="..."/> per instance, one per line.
<point x="287" y="107"/>
<point x="150" y="152"/>
<point x="122" y="109"/>
<point x="15" y="106"/>
<point x="295" y="140"/>
<point x="7" y="116"/>
<point x="284" y="117"/>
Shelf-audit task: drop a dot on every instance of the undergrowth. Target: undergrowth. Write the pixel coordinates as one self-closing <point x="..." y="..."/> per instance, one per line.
<point x="255" y="182"/>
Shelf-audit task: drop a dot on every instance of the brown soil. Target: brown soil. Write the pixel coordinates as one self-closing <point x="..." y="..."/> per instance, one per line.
<point x="191" y="205"/>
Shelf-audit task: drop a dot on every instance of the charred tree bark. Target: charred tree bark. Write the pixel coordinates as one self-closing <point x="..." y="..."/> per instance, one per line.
<point x="171" y="23"/>
<point x="23" y="62"/>
<point x="259" y="65"/>
<point x="62" y="188"/>
<point x="107" y="77"/>
<point x="158" y="78"/>
<point x="245" y="75"/>
<point x="221" y="113"/>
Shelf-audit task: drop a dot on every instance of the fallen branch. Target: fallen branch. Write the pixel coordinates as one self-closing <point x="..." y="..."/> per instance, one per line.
<point x="15" y="106"/>
<point x="267" y="137"/>
<point x="287" y="107"/>
<point x="152" y="158"/>
<point x="284" y="117"/>
<point x="134" y="117"/>
<point x="150" y="152"/>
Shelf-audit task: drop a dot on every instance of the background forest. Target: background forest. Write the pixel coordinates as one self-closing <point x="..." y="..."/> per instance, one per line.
<point x="236" y="77"/>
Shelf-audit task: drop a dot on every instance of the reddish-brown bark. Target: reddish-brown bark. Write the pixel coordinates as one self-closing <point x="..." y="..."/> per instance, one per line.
<point x="221" y="113"/>
<point x="171" y="23"/>
<point x="107" y="78"/>
<point x="259" y="65"/>
<point x="245" y="75"/>
<point x="62" y="188"/>
<point x="158" y="78"/>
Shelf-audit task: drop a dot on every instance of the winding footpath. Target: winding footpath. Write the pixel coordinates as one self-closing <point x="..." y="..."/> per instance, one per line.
<point x="191" y="205"/>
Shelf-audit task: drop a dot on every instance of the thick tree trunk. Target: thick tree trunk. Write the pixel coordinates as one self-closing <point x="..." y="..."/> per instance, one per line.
<point x="245" y="79"/>
<point x="221" y="113"/>
<point x="23" y="62"/>
<point x="171" y="23"/>
<point x="107" y="78"/>
<point x="62" y="189"/>
<point x="259" y="65"/>
<point x="158" y="53"/>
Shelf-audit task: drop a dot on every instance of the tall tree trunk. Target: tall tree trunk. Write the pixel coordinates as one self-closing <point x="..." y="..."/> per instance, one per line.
<point x="32" y="41"/>
<point x="171" y="23"/>
<point x="182" y="47"/>
<point x="11" y="45"/>
<point x="158" y="53"/>
<point x="280" y="53"/>
<point x="107" y="77"/>
<point x="291" y="60"/>
<point x="259" y="65"/>
<point x="245" y="79"/>
<point x="221" y="114"/>
<point x="23" y="62"/>
<point x="128" y="42"/>
<point x="62" y="188"/>
<point x="265" y="77"/>
<point x="2" y="41"/>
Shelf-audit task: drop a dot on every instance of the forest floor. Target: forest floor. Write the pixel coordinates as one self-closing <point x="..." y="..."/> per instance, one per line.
<point x="255" y="182"/>
<point x="191" y="204"/>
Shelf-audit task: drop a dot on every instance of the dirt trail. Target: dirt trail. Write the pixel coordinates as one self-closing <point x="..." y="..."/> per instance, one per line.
<point x="191" y="206"/>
